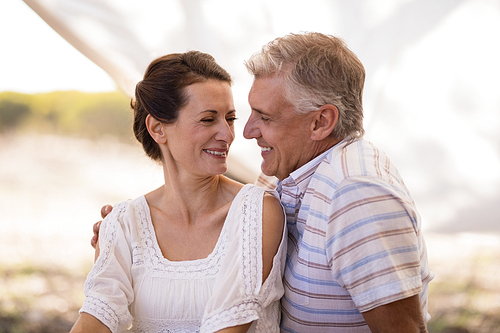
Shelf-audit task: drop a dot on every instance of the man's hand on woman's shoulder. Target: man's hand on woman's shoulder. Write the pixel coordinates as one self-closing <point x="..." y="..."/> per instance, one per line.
<point x="94" y="241"/>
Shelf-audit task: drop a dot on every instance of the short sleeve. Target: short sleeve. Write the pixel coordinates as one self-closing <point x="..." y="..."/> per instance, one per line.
<point x="108" y="288"/>
<point x="239" y="296"/>
<point x="372" y="245"/>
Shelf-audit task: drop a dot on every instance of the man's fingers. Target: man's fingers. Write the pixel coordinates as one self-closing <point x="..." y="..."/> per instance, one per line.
<point x="93" y="241"/>
<point x="95" y="237"/>
<point x="96" y="227"/>
<point x="105" y="210"/>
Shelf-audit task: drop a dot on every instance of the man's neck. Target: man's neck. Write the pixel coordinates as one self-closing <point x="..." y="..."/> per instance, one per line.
<point x="318" y="149"/>
<point x="321" y="146"/>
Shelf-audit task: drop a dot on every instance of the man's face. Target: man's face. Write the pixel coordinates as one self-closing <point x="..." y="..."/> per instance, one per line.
<point x="284" y="136"/>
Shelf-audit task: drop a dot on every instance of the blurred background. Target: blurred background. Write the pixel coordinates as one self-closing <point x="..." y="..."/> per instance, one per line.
<point x="68" y="67"/>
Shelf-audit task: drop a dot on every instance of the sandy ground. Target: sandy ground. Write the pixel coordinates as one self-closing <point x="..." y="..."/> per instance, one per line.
<point x="51" y="192"/>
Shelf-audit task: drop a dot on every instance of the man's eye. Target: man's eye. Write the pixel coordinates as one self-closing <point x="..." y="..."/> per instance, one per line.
<point x="265" y="119"/>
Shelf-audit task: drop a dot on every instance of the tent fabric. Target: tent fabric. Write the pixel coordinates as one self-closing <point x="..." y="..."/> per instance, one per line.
<point x="431" y="92"/>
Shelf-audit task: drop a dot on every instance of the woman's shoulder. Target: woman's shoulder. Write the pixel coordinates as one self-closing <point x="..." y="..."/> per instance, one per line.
<point x="121" y="207"/>
<point x="125" y="212"/>
<point x="264" y="200"/>
<point x="270" y="197"/>
<point x="254" y="192"/>
<point x="273" y="215"/>
<point x="231" y="186"/>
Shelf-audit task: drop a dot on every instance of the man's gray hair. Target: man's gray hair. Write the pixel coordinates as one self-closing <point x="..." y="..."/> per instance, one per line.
<point x="317" y="69"/>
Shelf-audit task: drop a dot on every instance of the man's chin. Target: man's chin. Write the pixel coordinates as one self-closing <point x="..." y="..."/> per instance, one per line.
<point x="267" y="171"/>
<point x="272" y="173"/>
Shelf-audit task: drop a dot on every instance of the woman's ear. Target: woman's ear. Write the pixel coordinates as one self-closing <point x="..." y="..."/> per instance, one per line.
<point x="324" y="122"/>
<point x="156" y="129"/>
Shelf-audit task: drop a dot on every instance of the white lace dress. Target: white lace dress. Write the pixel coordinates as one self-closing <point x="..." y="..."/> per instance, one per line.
<point x="131" y="282"/>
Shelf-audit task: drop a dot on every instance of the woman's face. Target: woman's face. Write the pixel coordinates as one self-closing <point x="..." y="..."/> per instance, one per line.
<point x="199" y="140"/>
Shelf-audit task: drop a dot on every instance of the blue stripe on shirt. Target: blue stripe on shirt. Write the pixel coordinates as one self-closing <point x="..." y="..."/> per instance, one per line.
<point x="374" y="257"/>
<point x="321" y="311"/>
<point x="371" y="219"/>
<point x="299" y="277"/>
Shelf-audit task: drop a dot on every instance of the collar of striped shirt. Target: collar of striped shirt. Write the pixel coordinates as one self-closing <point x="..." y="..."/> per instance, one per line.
<point x="301" y="177"/>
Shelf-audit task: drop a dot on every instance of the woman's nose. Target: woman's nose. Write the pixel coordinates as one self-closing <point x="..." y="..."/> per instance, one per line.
<point x="225" y="133"/>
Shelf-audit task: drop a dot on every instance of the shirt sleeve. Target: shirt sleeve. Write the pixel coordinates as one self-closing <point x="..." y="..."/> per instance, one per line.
<point x="372" y="244"/>
<point x="239" y="296"/>
<point x="108" y="288"/>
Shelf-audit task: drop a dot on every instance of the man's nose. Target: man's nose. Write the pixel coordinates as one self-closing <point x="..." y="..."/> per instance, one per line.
<point x="251" y="131"/>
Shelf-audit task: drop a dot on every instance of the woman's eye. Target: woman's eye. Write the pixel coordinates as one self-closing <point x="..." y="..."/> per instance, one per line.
<point x="231" y="120"/>
<point x="207" y="120"/>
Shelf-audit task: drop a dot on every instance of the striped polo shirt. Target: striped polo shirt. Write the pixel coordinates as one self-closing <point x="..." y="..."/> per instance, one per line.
<point x="354" y="240"/>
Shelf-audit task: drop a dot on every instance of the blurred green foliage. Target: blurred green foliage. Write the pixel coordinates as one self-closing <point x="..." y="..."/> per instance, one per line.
<point x="67" y="112"/>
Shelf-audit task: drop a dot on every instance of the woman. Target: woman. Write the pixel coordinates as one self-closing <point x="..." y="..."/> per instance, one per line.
<point x="202" y="253"/>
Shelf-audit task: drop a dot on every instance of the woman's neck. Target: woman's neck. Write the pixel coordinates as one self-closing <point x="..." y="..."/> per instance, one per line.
<point x="191" y="197"/>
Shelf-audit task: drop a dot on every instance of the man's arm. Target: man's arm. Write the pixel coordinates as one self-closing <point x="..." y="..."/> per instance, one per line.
<point x="401" y="316"/>
<point x="386" y="249"/>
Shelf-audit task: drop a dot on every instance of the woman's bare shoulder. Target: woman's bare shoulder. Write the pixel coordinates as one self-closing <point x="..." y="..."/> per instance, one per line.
<point x="231" y="186"/>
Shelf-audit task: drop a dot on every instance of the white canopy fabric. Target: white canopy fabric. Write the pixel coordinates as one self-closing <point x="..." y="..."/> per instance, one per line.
<point x="432" y="97"/>
<point x="122" y="37"/>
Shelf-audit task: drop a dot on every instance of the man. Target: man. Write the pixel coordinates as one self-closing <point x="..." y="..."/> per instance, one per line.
<point x="356" y="256"/>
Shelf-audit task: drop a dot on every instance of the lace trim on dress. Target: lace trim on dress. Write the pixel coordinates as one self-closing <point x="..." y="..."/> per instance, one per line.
<point x="106" y="243"/>
<point x="92" y="305"/>
<point x="102" y="311"/>
<point x="242" y="313"/>
<point x="250" y="308"/>
<point x="165" y="326"/>
<point x="252" y="241"/>
<point x="149" y="253"/>
<point x="273" y="320"/>
<point x="268" y="285"/>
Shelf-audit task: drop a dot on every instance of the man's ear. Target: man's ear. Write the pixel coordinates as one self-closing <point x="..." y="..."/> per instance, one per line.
<point x="156" y="129"/>
<point x="324" y="122"/>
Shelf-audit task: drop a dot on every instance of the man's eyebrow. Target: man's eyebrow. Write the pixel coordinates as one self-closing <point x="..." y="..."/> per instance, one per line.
<point x="260" y="112"/>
